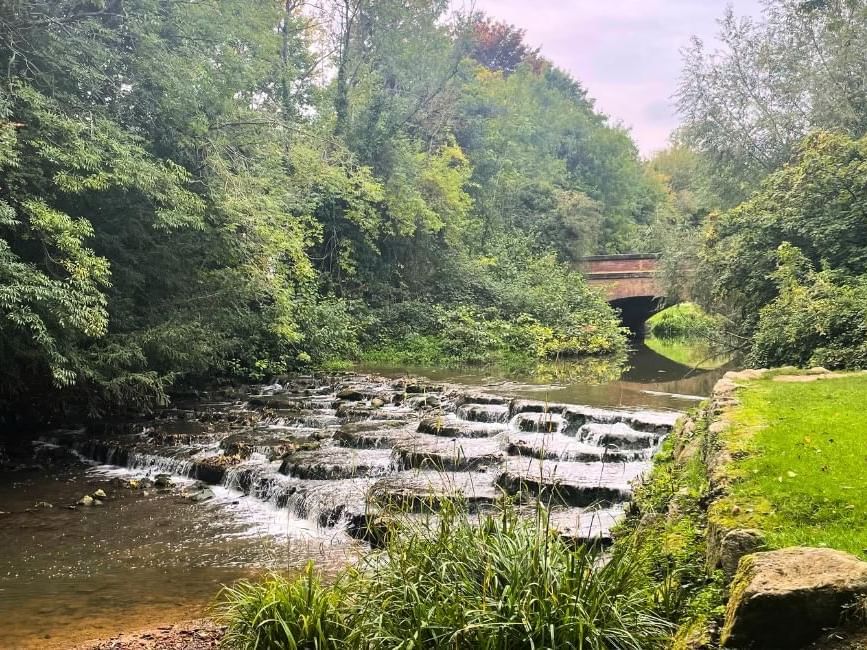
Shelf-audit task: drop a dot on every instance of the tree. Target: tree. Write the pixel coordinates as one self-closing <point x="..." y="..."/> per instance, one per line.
<point x="816" y="205"/>
<point x="747" y="106"/>
<point x="499" y="46"/>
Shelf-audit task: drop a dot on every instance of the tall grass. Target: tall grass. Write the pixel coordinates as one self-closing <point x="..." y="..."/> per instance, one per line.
<point x="498" y="582"/>
<point x="299" y="614"/>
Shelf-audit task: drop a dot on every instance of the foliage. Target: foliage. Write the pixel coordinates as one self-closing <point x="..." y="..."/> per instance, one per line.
<point x="820" y="320"/>
<point x="684" y="321"/>
<point x="500" y="46"/>
<point x="301" y="614"/>
<point x="815" y="204"/>
<point x="526" y="305"/>
<point x="505" y="581"/>
<point x="747" y="106"/>
<point x="188" y="194"/>
<point x="669" y="514"/>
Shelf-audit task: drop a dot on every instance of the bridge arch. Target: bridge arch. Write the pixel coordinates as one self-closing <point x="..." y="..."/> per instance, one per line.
<point x="630" y="283"/>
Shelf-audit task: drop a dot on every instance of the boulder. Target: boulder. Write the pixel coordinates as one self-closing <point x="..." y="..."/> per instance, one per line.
<point x="784" y="599"/>
<point x="86" y="500"/>
<point x="734" y="545"/>
<point x="99" y="494"/>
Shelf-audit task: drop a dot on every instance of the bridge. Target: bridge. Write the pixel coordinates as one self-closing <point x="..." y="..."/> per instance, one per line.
<point x="629" y="282"/>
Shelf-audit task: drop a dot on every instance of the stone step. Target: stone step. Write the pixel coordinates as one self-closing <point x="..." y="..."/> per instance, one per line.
<point x="333" y="463"/>
<point x="539" y="422"/>
<point x="617" y="436"/>
<point x="571" y="483"/>
<point x="483" y="412"/>
<point x="425" y="451"/>
<point x="425" y="491"/>
<point x="373" y="434"/>
<point x="451" y="427"/>
<point x="560" y="447"/>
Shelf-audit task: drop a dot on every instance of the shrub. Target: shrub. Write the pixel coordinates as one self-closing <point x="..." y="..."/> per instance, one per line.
<point x="683" y="321"/>
<point x="817" y="319"/>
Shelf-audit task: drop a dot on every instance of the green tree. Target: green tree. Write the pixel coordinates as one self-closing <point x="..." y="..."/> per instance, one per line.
<point x="816" y="204"/>
<point x="748" y="105"/>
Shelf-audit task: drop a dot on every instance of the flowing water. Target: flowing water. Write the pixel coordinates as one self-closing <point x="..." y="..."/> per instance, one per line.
<point x="235" y="484"/>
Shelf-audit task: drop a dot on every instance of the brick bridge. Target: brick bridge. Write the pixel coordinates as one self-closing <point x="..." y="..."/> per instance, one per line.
<point x="630" y="284"/>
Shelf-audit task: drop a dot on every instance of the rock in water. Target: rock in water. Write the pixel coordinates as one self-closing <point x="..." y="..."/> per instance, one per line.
<point x="86" y="500"/>
<point x="163" y="480"/>
<point x="784" y="599"/>
<point x="202" y="495"/>
<point x="99" y="494"/>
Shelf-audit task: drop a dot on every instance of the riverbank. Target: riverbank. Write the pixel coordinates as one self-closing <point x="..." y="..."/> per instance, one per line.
<point x="201" y="634"/>
<point x="754" y="512"/>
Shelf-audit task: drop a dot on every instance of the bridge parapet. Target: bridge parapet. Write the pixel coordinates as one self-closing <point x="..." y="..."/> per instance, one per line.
<point x="630" y="283"/>
<point x="623" y="276"/>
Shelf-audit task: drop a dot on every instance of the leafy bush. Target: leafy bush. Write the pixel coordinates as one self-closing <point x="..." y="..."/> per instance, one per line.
<point x="451" y="582"/>
<point x="467" y="335"/>
<point x="818" y="318"/>
<point x="684" y="321"/>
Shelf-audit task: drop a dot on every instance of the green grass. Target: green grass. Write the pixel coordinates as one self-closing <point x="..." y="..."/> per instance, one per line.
<point x="802" y="477"/>
<point x="684" y="320"/>
<point x="499" y="583"/>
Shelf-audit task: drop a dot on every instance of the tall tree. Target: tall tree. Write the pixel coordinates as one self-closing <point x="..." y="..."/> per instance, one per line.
<point x="748" y="105"/>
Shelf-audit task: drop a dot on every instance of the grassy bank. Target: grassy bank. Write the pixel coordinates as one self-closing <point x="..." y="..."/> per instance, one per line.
<point x="799" y="469"/>
<point x="779" y="454"/>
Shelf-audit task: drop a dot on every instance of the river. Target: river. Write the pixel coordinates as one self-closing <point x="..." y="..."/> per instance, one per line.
<point x="152" y="556"/>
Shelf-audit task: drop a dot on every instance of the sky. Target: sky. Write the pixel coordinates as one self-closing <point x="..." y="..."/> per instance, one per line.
<point x="626" y="53"/>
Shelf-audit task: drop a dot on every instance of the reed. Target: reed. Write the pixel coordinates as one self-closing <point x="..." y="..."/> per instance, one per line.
<point x="499" y="581"/>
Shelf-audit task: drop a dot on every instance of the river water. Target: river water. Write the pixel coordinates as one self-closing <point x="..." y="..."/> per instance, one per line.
<point x="153" y="556"/>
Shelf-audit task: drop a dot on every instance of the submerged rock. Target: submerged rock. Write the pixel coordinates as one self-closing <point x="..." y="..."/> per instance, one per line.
<point x="783" y="599"/>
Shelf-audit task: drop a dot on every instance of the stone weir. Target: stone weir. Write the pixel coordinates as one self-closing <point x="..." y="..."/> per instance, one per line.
<point x="341" y="451"/>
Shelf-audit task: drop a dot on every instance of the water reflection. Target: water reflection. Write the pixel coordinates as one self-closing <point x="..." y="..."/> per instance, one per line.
<point x="642" y="378"/>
